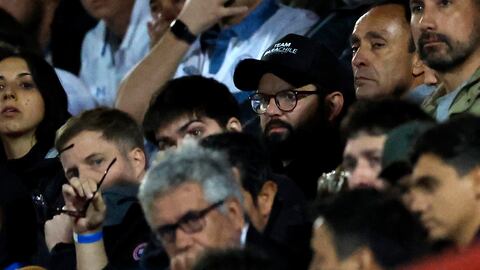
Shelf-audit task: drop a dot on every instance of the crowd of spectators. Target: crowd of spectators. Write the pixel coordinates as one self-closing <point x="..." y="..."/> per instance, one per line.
<point x="239" y="134"/>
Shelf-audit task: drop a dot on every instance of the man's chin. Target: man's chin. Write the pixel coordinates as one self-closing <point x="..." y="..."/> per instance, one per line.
<point x="276" y="137"/>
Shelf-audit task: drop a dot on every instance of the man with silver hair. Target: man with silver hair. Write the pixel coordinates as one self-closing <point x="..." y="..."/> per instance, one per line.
<point x="193" y="204"/>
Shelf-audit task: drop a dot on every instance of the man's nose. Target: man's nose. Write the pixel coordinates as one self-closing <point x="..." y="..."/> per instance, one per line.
<point x="183" y="241"/>
<point x="427" y="20"/>
<point x="272" y="108"/>
<point x="362" y="175"/>
<point x="359" y="58"/>
<point x="416" y="202"/>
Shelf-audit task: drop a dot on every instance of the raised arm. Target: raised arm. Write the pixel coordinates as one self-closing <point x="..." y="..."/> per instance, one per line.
<point x="87" y="225"/>
<point x="160" y="64"/>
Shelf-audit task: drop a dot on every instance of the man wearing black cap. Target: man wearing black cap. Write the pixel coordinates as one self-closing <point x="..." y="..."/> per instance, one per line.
<point x="301" y="90"/>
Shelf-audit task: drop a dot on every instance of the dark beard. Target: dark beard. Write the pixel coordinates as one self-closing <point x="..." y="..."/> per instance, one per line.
<point x="280" y="146"/>
<point x="294" y="142"/>
<point x="457" y="53"/>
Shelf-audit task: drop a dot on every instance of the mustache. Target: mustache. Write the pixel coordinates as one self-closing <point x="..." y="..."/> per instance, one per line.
<point x="277" y="123"/>
<point x="427" y="37"/>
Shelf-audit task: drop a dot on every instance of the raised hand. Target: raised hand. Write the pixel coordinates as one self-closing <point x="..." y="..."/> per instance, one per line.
<point x="200" y="15"/>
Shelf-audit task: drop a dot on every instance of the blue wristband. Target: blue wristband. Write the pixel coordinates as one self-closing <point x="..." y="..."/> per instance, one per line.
<point x="88" y="238"/>
<point x="14" y="266"/>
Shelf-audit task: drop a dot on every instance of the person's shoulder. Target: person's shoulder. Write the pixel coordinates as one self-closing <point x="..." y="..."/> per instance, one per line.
<point x="288" y="20"/>
<point x="293" y="12"/>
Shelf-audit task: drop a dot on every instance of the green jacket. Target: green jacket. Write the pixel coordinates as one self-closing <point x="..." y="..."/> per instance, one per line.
<point x="466" y="101"/>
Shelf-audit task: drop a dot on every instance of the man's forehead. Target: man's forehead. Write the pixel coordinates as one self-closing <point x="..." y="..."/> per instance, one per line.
<point x="427" y="168"/>
<point x="177" y="124"/>
<point x="84" y="145"/>
<point x="177" y="201"/>
<point x="189" y="189"/>
<point x="73" y="155"/>
<point x="382" y="21"/>
<point x="271" y="83"/>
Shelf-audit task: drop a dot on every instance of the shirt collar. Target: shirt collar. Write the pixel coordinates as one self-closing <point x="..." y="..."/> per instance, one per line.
<point x="140" y="9"/>
<point x="243" y="235"/>
<point x="249" y="25"/>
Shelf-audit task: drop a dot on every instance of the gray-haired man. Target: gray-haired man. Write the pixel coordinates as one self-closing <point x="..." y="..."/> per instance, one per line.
<point x="193" y="204"/>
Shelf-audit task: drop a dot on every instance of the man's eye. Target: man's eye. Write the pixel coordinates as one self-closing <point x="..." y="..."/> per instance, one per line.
<point x="377" y="45"/>
<point x="196" y="133"/>
<point x="96" y="162"/>
<point x="416" y="7"/>
<point x="191" y="219"/>
<point x="444" y="3"/>
<point x="164" y="144"/>
<point x="355" y="48"/>
<point x="426" y="185"/>
<point x="374" y="161"/>
<point x="349" y="164"/>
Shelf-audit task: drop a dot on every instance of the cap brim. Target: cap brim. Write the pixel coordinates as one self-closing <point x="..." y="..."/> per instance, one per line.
<point x="393" y="172"/>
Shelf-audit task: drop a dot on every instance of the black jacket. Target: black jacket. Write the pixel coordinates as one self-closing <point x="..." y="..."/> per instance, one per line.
<point x="125" y="237"/>
<point x="42" y="178"/>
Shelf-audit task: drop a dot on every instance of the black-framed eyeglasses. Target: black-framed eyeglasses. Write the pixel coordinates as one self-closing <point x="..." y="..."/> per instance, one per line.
<point x="83" y="212"/>
<point x="285" y="100"/>
<point x="191" y="222"/>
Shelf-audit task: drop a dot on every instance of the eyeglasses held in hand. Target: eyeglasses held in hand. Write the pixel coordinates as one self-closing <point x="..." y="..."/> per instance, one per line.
<point x="83" y="212"/>
<point x="191" y="222"/>
<point x="285" y="100"/>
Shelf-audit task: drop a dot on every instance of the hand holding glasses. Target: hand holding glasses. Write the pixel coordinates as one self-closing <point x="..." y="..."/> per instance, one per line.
<point x="83" y="212"/>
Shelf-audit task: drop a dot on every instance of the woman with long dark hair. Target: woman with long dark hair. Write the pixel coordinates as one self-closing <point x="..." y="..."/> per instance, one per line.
<point x="33" y="105"/>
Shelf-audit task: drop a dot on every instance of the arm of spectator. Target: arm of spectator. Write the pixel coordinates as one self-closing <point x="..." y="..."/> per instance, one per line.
<point x="89" y="246"/>
<point x="159" y="66"/>
<point x="58" y="230"/>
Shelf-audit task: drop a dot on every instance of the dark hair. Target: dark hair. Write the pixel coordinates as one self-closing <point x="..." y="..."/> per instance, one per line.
<point x="246" y="153"/>
<point x="408" y="12"/>
<point x="194" y="95"/>
<point x="377" y="117"/>
<point x="407" y="15"/>
<point x="14" y="36"/>
<point x="456" y="142"/>
<point x="234" y="259"/>
<point x="51" y="90"/>
<point x="379" y="221"/>
<point x="115" y="125"/>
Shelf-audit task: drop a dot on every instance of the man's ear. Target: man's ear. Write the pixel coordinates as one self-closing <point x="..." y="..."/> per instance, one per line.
<point x="418" y="66"/>
<point x="138" y="161"/>
<point x="235" y="213"/>
<point x="475" y="174"/>
<point x="234" y="124"/>
<point x="265" y="199"/>
<point x="237" y="175"/>
<point x="334" y="104"/>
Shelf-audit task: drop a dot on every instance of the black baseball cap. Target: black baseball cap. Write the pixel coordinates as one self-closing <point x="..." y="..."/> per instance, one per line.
<point x="397" y="150"/>
<point x="299" y="61"/>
